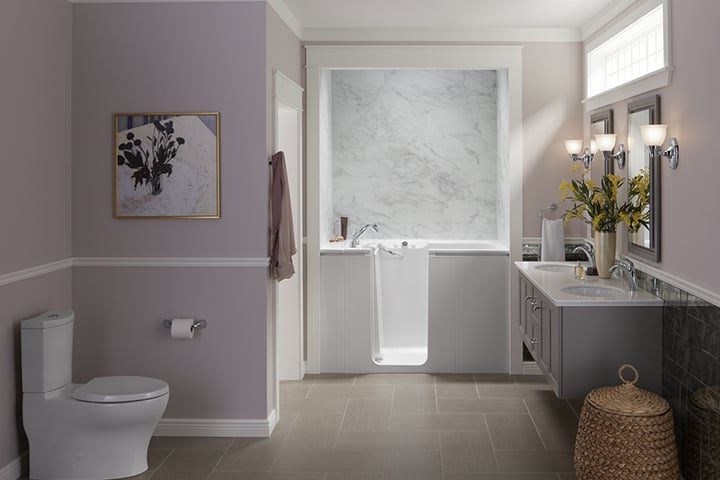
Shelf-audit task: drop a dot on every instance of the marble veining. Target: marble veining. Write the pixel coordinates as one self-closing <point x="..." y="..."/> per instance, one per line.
<point x="416" y="152"/>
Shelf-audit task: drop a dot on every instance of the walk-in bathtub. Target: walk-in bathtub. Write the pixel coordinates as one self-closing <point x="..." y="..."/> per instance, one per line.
<point x="409" y="305"/>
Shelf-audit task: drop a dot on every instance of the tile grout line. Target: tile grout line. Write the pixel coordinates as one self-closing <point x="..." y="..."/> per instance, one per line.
<point x="161" y="463"/>
<point x="537" y="430"/>
<point x="227" y="449"/>
<point x="492" y="444"/>
<point x="342" y="422"/>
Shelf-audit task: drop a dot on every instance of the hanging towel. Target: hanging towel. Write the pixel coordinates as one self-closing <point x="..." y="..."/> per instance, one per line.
<point x="552" y="248"/>
<point x="282" y="235"/>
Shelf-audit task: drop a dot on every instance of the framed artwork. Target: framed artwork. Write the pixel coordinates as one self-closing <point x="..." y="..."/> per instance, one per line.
<point x="167" y="165"/>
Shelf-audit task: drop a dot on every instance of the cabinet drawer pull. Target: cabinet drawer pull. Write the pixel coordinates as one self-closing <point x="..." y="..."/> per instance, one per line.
<point x="536" y="307"/>
<point x="529" y="297"/>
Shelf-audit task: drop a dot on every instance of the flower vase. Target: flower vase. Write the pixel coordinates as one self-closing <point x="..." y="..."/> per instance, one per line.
<point x="604" y="252"/>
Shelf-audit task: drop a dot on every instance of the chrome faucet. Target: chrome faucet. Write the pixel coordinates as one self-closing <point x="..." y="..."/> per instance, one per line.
<point x="627" y="267"/>
<point x="358" y="233"/>
<point x="589" y="251"/>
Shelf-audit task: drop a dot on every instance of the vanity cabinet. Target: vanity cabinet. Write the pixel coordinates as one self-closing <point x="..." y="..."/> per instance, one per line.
<point x="579" y="348"/>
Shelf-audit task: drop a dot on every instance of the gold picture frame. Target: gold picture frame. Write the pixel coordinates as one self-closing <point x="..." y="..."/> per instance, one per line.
<point x="149" y="148"/>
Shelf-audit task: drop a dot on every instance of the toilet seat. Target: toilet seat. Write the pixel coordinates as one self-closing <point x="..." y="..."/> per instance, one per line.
<point x="120" y="390"/>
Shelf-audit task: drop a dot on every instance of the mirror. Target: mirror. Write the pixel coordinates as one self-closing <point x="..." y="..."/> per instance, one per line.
<point x="645" y="242"/>
<point x="601" y="122"/>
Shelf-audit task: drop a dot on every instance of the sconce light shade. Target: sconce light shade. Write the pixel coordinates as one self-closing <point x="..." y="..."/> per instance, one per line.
<point x="574" y="147"/>
<point x="606" y="142"/>
<point x="653" y="135"/>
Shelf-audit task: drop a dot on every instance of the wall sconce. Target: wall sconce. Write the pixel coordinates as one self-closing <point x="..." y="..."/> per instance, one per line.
<point x="654" y="136"/>
<point x="575" y="146"/>
<point x="606" y="144"/>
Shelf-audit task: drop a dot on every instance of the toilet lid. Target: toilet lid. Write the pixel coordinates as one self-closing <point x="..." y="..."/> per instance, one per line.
<point x="120" y="389"/>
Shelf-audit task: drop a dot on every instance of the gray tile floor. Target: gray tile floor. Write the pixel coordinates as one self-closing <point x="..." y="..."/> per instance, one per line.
<point x="392" y="427"/>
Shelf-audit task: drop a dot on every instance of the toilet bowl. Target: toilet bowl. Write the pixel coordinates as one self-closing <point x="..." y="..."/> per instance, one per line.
<point x="98" y="430"/>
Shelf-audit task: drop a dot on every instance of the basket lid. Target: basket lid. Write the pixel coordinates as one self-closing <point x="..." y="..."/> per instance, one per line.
<point x="627" y="399"/>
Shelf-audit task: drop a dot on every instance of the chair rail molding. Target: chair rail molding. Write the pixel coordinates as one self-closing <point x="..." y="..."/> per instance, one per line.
<point x="146" y="262"/>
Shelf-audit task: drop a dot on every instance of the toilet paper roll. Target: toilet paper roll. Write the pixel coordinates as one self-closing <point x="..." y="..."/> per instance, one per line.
<point x="181" y="328"/>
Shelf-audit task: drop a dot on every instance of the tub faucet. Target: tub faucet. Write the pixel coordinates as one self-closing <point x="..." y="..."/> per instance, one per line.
<point x="589" y="251"/>
<point x="358" y="233"/>
<point x="627" y="267"/>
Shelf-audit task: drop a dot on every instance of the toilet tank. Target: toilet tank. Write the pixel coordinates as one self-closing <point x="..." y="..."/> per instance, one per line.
<point x="46" y="344"/>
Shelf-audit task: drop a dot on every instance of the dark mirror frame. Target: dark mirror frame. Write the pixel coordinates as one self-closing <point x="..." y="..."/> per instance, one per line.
<point x="605" y="116"/>
<point x="652" y="104"/>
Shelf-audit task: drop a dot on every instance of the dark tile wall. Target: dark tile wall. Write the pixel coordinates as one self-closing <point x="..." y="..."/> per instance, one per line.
<point x="691" y="376"/>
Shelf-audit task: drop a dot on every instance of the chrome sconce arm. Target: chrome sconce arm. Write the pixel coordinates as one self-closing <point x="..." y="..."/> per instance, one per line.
<point x="574" y="147"/>
<point x="654" y="136"/>
<point x="672" y="153"/>
<point x="620" y="156"/>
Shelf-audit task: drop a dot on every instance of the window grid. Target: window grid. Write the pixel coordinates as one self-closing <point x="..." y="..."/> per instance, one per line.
<point x="633" y="53"/>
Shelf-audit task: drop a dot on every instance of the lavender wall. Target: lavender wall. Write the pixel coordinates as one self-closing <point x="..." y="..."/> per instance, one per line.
<point x="189" y="57"/>
<point x="35" y="47"/>
<point x="552" y="112"/>
<point x="182" y="57"/>
<point x="35" y="94"/>
<point x="689" y="195"/>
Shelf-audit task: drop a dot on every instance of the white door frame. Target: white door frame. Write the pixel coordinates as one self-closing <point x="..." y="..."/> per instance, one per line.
<point x="329" y="57"/>
<point x="289" y="94"/>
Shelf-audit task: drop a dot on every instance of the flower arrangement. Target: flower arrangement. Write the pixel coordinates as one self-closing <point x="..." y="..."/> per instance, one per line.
<point x="597" y="205"/>
<point x="152" y="162"/>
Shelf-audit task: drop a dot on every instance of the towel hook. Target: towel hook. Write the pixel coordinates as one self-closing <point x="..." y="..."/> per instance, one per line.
<point x="552" y="207"/>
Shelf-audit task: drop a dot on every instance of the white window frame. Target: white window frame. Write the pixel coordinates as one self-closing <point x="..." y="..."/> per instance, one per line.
<point x="652" y="81"/>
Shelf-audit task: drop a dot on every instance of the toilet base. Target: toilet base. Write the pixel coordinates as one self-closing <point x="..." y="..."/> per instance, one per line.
<point x="74" y="440"/>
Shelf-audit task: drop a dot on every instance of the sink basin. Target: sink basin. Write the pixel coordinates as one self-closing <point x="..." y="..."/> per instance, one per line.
<point x="593" y="291"/>
<point x="555" y="268"/>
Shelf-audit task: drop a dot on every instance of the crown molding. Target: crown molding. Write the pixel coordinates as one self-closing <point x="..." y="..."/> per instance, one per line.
<point x="604" y="17"/>
<point x="288" y="17"/>
<point x="441" y="34"/>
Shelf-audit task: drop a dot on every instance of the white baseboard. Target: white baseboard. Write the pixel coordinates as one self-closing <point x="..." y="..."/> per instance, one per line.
<point x="14" y="469"/>
<point x="531" y="368"/>
<point x="205" y="427"/>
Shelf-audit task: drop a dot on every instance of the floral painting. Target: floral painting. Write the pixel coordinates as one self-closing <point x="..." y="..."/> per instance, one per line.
<point x="167" y="165"/>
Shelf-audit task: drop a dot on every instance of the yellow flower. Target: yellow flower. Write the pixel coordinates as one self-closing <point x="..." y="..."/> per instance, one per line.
<point x="597" y="197"/>
<point x="625" y="218"/>
<point x="565" y="187"/>
<point x="590" y="184"/>
<point x="597" y="221"/>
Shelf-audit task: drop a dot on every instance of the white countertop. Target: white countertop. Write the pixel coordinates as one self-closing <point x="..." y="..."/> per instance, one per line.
<point x="551" y="284"/>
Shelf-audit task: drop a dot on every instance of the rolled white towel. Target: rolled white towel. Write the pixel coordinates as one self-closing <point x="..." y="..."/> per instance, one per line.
<point x="552" y="247"/>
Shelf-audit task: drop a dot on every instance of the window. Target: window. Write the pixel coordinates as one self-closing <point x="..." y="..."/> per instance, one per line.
<point x="635" y="52"/>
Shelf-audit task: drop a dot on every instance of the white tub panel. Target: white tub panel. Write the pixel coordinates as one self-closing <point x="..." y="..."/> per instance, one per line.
<point x="441" y="353"/>
<point x="481" y="314"/>
<point x="359" y="301"/>
<point x="332" y="314"/>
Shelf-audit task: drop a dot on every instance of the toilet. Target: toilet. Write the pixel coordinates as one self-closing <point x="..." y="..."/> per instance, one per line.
<point x="95" y="431"/>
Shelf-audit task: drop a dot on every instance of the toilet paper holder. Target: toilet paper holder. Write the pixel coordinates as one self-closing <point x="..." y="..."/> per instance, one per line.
<point x="167" y="323"/>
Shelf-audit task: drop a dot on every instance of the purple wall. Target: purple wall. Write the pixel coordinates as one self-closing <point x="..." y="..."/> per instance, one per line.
<point x="176" y="57"/>
<point x="35" y="94"/>
<point x="689" y="195"/>
<point x="35" y="132"/>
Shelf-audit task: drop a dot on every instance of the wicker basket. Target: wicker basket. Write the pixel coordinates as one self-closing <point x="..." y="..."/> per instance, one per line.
<point x="626" y="433"/>
<point x="702" y="437"/>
